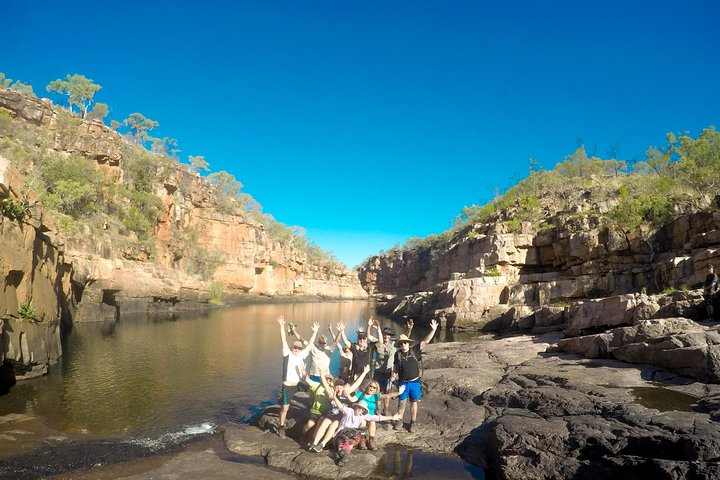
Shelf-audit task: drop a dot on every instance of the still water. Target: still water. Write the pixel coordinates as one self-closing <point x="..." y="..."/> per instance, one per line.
<point x="153" y="379"/>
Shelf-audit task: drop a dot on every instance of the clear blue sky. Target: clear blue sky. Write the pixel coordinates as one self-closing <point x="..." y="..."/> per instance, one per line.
<point x="369" y="122"/>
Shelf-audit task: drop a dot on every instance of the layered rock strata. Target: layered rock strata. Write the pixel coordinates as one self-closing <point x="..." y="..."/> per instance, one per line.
<point x="486" y="278"/>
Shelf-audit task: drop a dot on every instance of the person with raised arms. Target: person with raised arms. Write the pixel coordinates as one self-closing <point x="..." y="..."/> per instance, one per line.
<point x="408" y="370"/>
<point x="293" y="370"/>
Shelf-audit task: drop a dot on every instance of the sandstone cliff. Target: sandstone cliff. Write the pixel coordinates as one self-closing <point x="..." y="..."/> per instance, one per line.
<point x="488" y="278"/>
<point x="99" y="271"/>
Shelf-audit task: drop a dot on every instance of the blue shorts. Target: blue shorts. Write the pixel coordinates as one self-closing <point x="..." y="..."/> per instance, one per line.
<point x="315" y="378"/>
<point x="412" y="390"/>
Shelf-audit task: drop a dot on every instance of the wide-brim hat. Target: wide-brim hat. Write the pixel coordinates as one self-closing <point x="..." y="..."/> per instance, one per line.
<point x="362" y="404"/>
<point x="404" y="339"/>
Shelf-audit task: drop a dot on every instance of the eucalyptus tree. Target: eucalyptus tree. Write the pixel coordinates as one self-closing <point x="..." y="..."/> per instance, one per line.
<point x="140" y="125"/>
<point x="79" y="89"/>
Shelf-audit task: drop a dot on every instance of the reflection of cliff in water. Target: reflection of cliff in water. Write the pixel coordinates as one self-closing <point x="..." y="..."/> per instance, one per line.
<point x="402" y="462"/>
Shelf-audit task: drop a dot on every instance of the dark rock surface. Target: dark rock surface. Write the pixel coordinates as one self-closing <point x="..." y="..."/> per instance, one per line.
<point x="522" y="409"/>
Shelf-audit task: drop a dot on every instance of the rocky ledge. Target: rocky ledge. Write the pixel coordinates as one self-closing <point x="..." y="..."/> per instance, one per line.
<point x="521" y="408"/>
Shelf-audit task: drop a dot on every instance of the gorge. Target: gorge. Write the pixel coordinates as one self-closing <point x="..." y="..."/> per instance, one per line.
<point x="576" y="312"/>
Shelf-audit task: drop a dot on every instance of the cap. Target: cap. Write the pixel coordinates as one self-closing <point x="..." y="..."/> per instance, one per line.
<point x="298" y="344"/>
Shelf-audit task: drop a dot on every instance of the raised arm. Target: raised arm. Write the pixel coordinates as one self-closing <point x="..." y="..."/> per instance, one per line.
<point x="335" y="337"/>
<point x="311" y="342"/>
<point x="283" y="335"/>
<point x="353" y="388"/>
<point x="426" y="340"/>
<point x="293" y="329"/>
<point x="370" y="337"/>
<point x="410" y="325"/>
<point x="329" y="391"/>
<point x="341" y="327"/>
<point x="377" y="328"/>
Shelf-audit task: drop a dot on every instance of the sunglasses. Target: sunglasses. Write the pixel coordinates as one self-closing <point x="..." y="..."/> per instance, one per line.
<point x="372" y="387"/>
<point x="297" y="348"/>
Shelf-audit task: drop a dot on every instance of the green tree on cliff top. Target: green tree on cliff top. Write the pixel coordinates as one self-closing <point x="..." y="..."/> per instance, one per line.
<point x="79" y="89"/>
<point x="140" y="125"/>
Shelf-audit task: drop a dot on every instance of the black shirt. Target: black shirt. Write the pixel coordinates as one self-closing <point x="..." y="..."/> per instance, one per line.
<point x="408" y="364"/>
<point x="361" y="358"/>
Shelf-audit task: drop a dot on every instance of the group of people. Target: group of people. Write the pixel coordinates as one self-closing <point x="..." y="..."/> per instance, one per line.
<point x="358" y="397"/>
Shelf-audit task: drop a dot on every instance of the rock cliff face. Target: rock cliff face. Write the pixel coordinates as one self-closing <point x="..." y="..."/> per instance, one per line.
<point x="94" y="275"/>
<point x="36" y="290"/>
<point x="487" y="278"/>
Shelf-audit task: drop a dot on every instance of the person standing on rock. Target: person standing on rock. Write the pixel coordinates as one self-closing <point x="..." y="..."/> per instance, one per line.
<point x="293" y="370"/>
<point x="712" y="283"/>
<point x="407" y="369"/>
<point x="361" y="351"/>
<point x="319" y="354"/>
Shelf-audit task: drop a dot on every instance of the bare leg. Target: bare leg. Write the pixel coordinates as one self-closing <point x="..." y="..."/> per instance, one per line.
<point x="413" y="410"/>
<point x="321" y="429"/>
<point x="283" y="413"/>
<point x="308" y="426"/>
<point x="330" y="432"/>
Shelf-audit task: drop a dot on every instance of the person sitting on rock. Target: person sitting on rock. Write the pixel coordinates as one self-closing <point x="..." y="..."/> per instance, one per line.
<point x="407" y="368"/>
<point x="319" y="354"/>
<point x="348" y="435"/>
<point x="293" y="370"/>
<point x="712" y="283"/>
<point x="331" y="419"/>
<point x="371" y="396"/>
<point x="320" y="399"/>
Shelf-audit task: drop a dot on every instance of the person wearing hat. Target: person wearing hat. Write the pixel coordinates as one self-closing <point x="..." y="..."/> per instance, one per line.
<point x="710" y="289"/>
<point x="384" y="359"/>
<point x="319" y="354"/>
<point x="348" y="435"/>
<point x="330" y="421"/>
<point x="320" y="400"/>
<point x="293" y="370"/>
<point x="407" y="368"/>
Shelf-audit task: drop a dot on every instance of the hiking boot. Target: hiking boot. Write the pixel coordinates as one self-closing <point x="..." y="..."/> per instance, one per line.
<point x="362" y="444"/>
<point x="398" y="424"/>
<point x="281" y="431"/>
<point x="413" y="428"/>
<point x="371" y="444"/>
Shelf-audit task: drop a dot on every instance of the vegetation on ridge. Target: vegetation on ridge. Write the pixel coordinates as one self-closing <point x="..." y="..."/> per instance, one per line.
<point x="125" y="204"/>
<point x="633" y="199"/>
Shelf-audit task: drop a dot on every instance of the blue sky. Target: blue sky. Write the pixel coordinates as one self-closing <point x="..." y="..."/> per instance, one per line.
<point x="369" y="122"/>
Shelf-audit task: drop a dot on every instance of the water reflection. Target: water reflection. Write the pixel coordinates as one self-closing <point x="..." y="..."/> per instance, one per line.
<point x="147" y="377"/>
<point x="402" y="462"/>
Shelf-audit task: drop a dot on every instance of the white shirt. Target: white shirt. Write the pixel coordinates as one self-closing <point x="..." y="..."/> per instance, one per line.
<point x="294" y="366"/>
